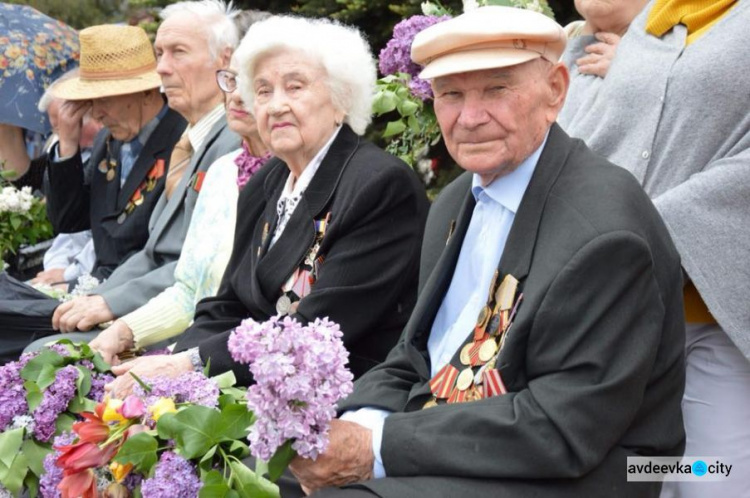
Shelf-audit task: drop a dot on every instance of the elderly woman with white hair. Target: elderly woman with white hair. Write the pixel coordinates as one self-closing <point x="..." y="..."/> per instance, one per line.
<point x="336" y="231"/>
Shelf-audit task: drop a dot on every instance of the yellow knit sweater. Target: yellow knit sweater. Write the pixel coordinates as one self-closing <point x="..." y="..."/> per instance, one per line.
<point x="697" y="15"/>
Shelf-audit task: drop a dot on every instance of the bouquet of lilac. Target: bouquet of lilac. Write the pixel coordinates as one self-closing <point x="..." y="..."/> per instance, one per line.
<point x="300" y="374"/>
<point x="41" y="396"/>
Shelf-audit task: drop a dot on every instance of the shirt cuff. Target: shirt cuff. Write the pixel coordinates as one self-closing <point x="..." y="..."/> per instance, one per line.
<point x="373" y="419"/>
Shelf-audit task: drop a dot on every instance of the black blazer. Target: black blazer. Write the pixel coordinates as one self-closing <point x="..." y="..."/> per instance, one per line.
<point x="368" y="281"/>
<point x="78" y="202"/>
<point x="593" y="362"/>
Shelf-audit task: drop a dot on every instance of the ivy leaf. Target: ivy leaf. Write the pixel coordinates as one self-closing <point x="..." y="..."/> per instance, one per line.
<point x="394" y="128"/>
<point x="140" y="450"/>
<point x="280" y="461"/>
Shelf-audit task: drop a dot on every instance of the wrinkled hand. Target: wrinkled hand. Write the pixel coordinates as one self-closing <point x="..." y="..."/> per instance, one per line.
<point x="146" y="367"/>
<point x="600" y="55"/>
<point x="348" y="459"/>
<point x="52" y="276"/>
<point x="113" y="340"/>
<point x="81" y="313"/>
<point x="70" y="124"/>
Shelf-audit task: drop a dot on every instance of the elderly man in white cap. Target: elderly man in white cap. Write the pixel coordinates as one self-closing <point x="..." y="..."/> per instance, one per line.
<point x="546" y="345"/>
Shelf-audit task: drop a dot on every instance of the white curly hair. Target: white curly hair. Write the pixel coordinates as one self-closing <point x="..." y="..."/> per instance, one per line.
<point x="341" y="50"/>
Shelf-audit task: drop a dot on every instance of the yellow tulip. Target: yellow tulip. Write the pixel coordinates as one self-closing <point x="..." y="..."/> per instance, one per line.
<point x="120" y="471"/>
<point x="164" y="405"/>
<point x="112" y="413"/>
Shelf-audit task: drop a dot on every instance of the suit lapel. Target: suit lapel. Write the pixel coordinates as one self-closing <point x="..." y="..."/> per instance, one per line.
<point x="279" y="262"/>
<point x="517" y="254"/>
<point x="146" y="160"/>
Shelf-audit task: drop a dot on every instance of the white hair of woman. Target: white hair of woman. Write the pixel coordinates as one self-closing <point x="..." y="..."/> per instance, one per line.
<point x="216" y="16"/>
<point x="341" y="50"/>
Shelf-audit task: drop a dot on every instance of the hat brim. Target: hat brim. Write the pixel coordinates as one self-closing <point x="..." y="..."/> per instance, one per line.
<point x="475" y="60"/>
<point x="87" y="89"/>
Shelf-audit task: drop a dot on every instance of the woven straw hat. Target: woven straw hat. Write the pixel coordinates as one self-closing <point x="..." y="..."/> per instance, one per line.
<point x="115" y="60"/>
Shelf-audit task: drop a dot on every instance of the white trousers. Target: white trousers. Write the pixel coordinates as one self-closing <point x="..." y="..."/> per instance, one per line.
<point x="716" y="410"/>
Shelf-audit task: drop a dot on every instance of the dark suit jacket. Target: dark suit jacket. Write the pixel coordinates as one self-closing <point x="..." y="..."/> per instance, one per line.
<point x="593" y="362"/>
<point x="368" y="281"/>
<point x="76" y="202"/>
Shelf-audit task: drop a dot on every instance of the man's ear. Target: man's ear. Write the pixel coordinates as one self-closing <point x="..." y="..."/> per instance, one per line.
<point x="225" y="57"/>
<point x="559" y="81"/>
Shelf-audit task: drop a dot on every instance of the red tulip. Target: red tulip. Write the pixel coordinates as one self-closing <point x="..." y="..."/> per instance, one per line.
<point x="78" y="485"/>
<point x="81" y="456"/>
<point x="92" y="430"/>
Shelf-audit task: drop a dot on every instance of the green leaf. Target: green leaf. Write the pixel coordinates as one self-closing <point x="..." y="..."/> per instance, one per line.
<point x="13" y="481"/>
<point x="31" y="483"/>
<point x="64" y="423"/>
<point x="140" y="450"/>
<point x="280" y="460"/>
<point x="209" y="454"/>
<point x="15" y="222"/>
<point x="225" y="380"/>
<point x="214" y="486"/>
<point x="140" y="382"/>
<point x="407" y="107"/>
<point x="384" y="102"/>
<point x="235" y="422"/>
<point x="194" y="429"/>
<point x="83" y="382"/>
<point x="236" y="393"/>
<point x="80" y="405"/>
<point x="394" y="128"/>
<point x="35" y="453"/>
<point x="47" y="376"/>
<point x="33" y="395"/>
<point x="250" y="485"/>
<point x="413" y="123"/>
<point x="34" y="367"/>
<point x="10" y="444"/>
<point x="99" y="363"/>
<point x="239" y="450"/>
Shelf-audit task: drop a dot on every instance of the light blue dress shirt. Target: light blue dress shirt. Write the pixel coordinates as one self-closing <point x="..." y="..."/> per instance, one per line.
<point x="482" y="248"/>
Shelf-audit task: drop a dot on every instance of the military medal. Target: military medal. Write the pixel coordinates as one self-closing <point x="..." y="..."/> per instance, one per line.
<point x="121" y="219"/>
<point x="264" y="236"/>
<point x="102" y="166"/>
<point x="465" y="379"/>
<point x="492" y="383"/>
<point x="283" y="304"/>
<point x="110" y="175"/>
<point x="430" y="403"/>
<point x="487" y="350"/>
<point x="442" y="383"/>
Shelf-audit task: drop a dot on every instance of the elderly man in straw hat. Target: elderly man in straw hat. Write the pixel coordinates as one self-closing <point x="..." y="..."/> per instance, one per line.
<point x="117" y="85"/>
<point x="546" y="345"/>
<point x="194" y="41"/>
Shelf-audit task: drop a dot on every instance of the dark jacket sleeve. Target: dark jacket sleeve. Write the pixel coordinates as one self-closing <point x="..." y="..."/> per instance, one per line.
<point x="34" y="177"/>
<point x="68" y="199"/>
<point x="590" y="349"/>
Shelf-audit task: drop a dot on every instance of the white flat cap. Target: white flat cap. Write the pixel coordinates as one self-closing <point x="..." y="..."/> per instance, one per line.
<point x="486" y="38"/>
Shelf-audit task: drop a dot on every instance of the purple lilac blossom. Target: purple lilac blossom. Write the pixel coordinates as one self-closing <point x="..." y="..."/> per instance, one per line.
<point x="191" y="387"/>
<point x="174" y="478"/>
<point x="98" y="381"/>
<point x="54" y="401"/>
<point x="300" y="374"/>
<point x="52" y="473"/>
<point x="396" y="56"/>
<point x="12" y="393"/>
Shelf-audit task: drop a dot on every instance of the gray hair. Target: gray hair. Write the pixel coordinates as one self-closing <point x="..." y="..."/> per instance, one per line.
<point x="47" y="97"/>
<point x="246" y="18"/>
<point x="215" y="16"/>
<point x="341" y="50"/>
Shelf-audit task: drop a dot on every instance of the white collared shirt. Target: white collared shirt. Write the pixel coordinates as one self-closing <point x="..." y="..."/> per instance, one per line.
<point x="293" y="190"/>
<point x="197" y="133"/>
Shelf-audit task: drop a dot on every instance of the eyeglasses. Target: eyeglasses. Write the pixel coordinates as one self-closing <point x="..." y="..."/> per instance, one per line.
<point x="227" y="80"/>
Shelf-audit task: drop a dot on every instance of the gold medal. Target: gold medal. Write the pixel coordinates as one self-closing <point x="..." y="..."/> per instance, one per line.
<point x="430" y="403"/>
<point x="138" y="201"/>
<point x="473" y="394"/>
<point x="506" y="292"/>
<point x="121" y="219"/>
<point x="110" y="175"/>
<point x="484" y="316"/>
<point x="465" y="355"/>
<point x="102" y="166"/>
<point x="465" y="379"/>
<point x="487" y="351"/>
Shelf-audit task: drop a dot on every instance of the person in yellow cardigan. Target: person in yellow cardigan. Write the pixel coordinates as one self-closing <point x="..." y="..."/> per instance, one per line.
<point x="673" y="110"/>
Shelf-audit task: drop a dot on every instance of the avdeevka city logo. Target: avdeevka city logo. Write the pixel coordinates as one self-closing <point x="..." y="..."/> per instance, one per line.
<point x="700" y="468"/>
